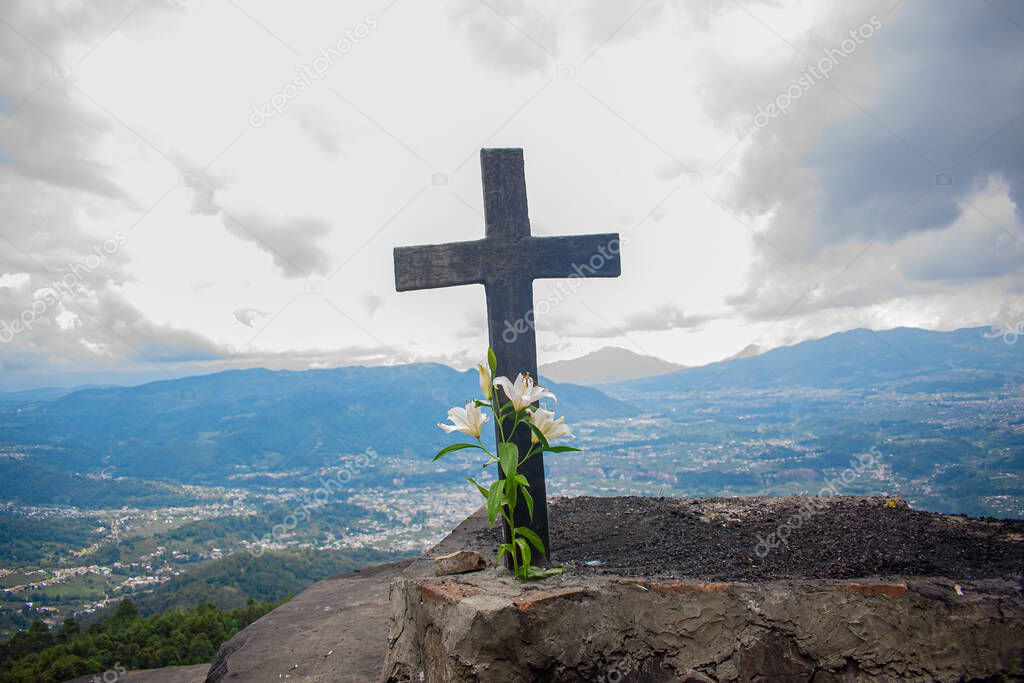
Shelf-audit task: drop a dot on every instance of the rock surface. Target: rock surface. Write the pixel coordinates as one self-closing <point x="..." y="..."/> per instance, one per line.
<point x="485" y="627"/>
<point x="333" y="631"/>
<point x="760" y="538"/>
<point x="678" y="601"/>
<point x="459" y="562"/>
<point x="667" y="590"/>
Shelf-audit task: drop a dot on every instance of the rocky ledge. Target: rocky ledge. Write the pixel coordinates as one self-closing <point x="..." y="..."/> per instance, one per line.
<point x="785" y="589"/>
<point x="336" y="630"/>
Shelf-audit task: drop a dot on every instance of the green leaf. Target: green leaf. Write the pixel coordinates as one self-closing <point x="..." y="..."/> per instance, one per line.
<point x="563" y="449"/>
<point x="524" y="551"/>
<point x="540" y="435"/>
<point x="492" y="360"/>
<point x="529" y="501"/>
<point x="531" y="536"/>
<point x="522" y="480"/>
<point x="542" y="573"/>
<point x="494" y="501"/>
<point x="455" y="447"/>
<point x="508" y="456"/>
<point x="502" y="549"/>
<point x="481" y="489"/>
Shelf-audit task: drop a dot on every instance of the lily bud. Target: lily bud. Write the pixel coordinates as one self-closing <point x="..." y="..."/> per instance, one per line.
<point x="485" y="380"/>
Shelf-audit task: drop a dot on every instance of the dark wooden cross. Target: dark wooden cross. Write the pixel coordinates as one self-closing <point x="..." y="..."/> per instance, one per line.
<point x="506" y="262"/>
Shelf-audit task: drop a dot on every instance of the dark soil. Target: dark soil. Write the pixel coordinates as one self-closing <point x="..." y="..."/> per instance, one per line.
<point x="829" y="538"/>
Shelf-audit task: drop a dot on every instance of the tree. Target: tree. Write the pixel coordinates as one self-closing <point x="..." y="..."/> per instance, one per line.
<point x="66" y="667"/>
<point x="122" y="641"/>
<point x="68" y="629"/>
<point x="126" y="611"/>
<point x="36" y="639"/>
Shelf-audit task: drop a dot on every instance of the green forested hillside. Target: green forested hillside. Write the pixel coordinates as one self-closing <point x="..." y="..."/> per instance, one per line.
<point x="124" y="641"/>
<point x="34" y="540"/>
<point x="181" y="622"/>
<point x="36" y="482"/>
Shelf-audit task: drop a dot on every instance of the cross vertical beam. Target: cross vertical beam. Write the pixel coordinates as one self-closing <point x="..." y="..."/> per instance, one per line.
<point x="506" y="262"/>
<point x="506" y="215"/>
<point x="506" y="300"/>
<point x="509" y="298"/>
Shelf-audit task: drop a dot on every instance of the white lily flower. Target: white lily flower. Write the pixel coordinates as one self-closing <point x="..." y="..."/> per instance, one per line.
<point x="469" y="420"/>
<point x="485" y="380"/>
<point x="544" y="420"/>
<point x="524" y="392"/>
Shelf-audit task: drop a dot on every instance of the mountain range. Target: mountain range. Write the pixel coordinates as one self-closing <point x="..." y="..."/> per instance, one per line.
<point x="901" y="359"/>
<point x="610" y="364"/>
<point x="200" y="429"/>
<point x="203" y="429"/>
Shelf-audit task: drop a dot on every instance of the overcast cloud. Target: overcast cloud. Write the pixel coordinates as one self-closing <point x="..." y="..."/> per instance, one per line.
<point x="151" y="225"/>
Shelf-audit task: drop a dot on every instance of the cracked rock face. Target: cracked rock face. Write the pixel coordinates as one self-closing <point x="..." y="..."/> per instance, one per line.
<point x="485" y="627"/>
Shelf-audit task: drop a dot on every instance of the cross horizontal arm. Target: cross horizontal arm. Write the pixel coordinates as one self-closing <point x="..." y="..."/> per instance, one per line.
<point x="580" y="255"/>
<point x="439" y="265"/>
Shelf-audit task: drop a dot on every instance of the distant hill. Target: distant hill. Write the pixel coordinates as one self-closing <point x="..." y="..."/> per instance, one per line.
<point x="34" y="481"/>
<point x="230" y="582"/>
<point x="41" y="394"/>
<point x="747" y="351"/>
<point x="610" y="364"/>
<point x="901" y="359"/>
<point x="203" y="429"/>
<point x="197" y="429"/>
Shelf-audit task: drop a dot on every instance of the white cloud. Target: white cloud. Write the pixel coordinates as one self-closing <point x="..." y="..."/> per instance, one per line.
<point x="510" y="35"/>
<point x="737" y="235"/>
<point x="14" y="280"/>
<point x="250" y="317"/>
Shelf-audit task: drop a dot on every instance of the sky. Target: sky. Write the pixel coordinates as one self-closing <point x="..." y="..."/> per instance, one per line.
<point x="193" y="185"/>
